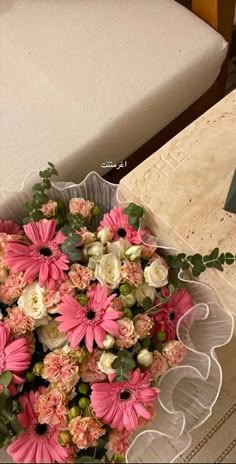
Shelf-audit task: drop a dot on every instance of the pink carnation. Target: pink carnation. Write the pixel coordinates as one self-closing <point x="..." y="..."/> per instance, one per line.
<point x="174" y="351"/>
<point x="87" y="236"/>
<point x="159" y="365"/>
<point x="18" y="321"/>
<point x="53" y="296"/>
<point x="85" y="431"/>
<point x="119" y="441"/>
<point x="143" y="325"/>
<point x="89" y="370"/>
<point x="60" y="370"/>
<point x="117" y="304"/>
<point x="128" y="337"/>
<point x="12" y="288"/>
<point x="49" y="209"/>
<point x="51" y="408"/>
<point x="162" y="261"/>
<point x="81" y="276"/>
<point x="132" y="273"/>
<point x="147" y="251"/>
<point x="81" y="206"/>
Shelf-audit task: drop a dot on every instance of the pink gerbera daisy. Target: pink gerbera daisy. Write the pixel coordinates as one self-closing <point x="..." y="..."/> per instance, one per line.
<point x="117" y="223"/>
<point x="10" y="228"/>
<point x="14" y="355"/>
<point x="121" y="404"/>
<point x="167" y="317"/>
<point x="39" y="443"/>
<point x="90" y="322"/>
<point x="42" y="257"/>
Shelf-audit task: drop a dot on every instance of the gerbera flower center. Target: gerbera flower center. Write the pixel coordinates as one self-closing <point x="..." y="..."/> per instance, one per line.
<point x="41" y="429"/>
<point x="172" y="316"/>
<point x="121" y="232"/>
<point x="91" y="314"/>
<point x="124" y="395"/>
<point x="45" y="251"/>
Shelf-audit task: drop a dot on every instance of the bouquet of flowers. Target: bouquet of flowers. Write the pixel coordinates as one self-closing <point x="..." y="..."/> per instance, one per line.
<point x="89" y="314"/>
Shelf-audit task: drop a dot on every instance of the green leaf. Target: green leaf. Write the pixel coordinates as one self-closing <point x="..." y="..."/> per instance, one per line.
<point x="185" y="265"/>
<point x="169" y="260"/>
<point x="215" y="253"/>
<point x="51" y="164"/>
<point x="134" y="209"/>
<point x="46" y="183"/>
<point x="222" y="258"/>
<point x="41" y="197"/>
<point x="70" y="243"/>
<point x="196" y="272"/>
<point x="38" y="188"/>
<point x="5" y="378"/>
<point x="37" y="215"/>
<point x="218" y="266"/>
<point x="171" y="289"/>
<point x="229" y="258"/>
<point x="147" y="303"/>
<point x="45" y="174"/>
<point x="197" y="259"/>
<point x="74" y="255"/>
<point x="67" y="230"/>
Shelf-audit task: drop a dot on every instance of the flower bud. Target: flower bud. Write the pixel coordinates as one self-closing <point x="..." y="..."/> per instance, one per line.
<point x="83" y="388"/>
<point x="125" y="289"/>
<point x="38" y="369"/>
<point x="95" y="211"/>
<point x="145" y="357"/>
<point x="83" y="402"/>
<point x="105" y="363"/>
<point x="128" y="313"/>
<point x="108" y="342"/>
<point x="29" y="376"/>
<point x="64" y="438"/>
<point x="133" y="252"/>
<point x="105" y="235"/>
<point x="82" y="299"/>
<point x="73" y="412"/>
<point x="129" y="299"/>
<point x="161" y="336"/>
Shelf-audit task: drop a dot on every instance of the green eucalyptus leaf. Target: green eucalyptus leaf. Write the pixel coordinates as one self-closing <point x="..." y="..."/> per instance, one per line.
<point x="218" y="266"/>
<point x="51" y="164"/>
<point x="185" y="265"/>
<point x="147" y="303"/>
<point x="229" y="258"/>
<point x="67" y="230"/>
<point x="215" y="253"/>
<point x="5" y="378"/>
<point x="197" y="259"/>
<point x="196" y="272"/>
<point x="74" y="255"/>
<point x="37" y="215"/>
<point x="46" y="183"/>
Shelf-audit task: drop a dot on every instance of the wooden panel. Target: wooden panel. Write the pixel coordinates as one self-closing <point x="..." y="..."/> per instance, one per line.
<point x="217" y="13"/>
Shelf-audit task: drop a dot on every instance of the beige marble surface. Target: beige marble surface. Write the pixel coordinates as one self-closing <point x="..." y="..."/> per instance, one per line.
<point x="183" y="187"/>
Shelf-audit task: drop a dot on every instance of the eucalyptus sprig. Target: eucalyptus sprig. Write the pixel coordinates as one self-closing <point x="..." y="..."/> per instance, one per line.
<point x="9" y="408"/>
<point x="198" y="263"/>
<point x="134" y="213"/>
<point x="123" y="364"/>
<point x="39" y="196"/>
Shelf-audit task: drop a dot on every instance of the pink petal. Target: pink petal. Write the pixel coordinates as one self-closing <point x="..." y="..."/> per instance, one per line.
<point x="31" y="230"/>
<point x="77" y="335"/>
<point x="99" y="334"/>
<point x="89" y="337"/>
<point x="142" y="411"/>
<point x="47" y="229"/>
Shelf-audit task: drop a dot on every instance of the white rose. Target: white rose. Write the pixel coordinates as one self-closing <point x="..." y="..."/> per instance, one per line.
<point x="133" y="252"/>
<point x="105" y="363"/>
<point x="105" y="235"/>
<point x="144" y="291"/>
<point x="31" y="301"/>
<point x="129" y="299"/>
<point x="108" y="271"/>
<point x="118" y="248"/>
<point x="50" y="336"/>
<point x="156" y="274"/>
<point x="145" y="357"/>
<point x="94" y="251"/>
<point x="108" y="342"/>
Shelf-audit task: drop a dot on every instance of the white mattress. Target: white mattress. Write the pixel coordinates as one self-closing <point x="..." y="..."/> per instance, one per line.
<point x="84" y="82"/>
